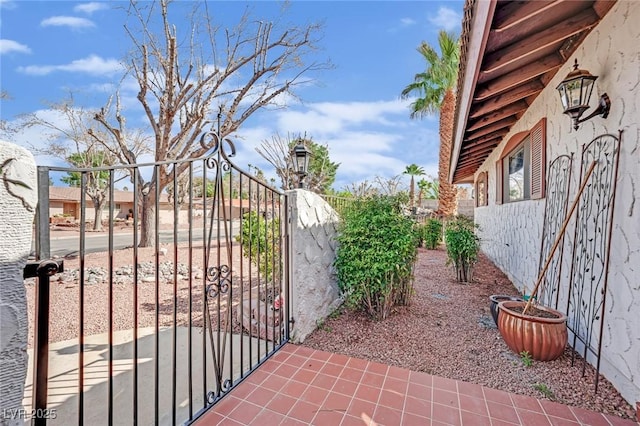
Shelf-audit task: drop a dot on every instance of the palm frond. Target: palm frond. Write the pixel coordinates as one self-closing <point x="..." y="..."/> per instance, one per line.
<point x="439" y="76"/>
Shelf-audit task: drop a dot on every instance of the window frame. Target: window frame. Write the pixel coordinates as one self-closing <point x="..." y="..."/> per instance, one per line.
<point x="534" y="143"/>
<point x="481" y="190"/>
<point x="525" y="148"/>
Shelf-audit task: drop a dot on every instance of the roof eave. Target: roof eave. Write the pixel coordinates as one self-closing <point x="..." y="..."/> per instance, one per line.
<point x="478" y="34"/>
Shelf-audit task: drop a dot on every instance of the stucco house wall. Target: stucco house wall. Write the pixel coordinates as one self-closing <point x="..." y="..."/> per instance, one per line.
<point x="511" y="233"/>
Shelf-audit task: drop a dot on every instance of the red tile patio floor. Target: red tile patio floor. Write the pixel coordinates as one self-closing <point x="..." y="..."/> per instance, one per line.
<point x="302" y="386"/>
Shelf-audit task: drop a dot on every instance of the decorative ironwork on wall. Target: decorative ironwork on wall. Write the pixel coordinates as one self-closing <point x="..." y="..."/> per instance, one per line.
<point x="592" y="246"/>
<point x="557" y="190"/>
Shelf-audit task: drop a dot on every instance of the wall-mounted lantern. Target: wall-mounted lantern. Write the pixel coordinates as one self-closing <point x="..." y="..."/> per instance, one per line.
<point x="575" y="93"/>
<point x="301" y="157"/>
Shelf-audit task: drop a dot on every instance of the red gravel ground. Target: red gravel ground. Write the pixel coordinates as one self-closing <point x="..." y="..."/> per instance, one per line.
<point x="448" y="331"/>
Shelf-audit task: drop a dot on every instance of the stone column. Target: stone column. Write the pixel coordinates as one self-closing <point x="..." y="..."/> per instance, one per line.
<point x="315" y="292"/>
<point x="18" y="197"/>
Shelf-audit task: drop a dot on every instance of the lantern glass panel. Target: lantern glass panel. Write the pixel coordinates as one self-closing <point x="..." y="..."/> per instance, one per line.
<point x="574" y="93"/>
<point x="563" y="96"/>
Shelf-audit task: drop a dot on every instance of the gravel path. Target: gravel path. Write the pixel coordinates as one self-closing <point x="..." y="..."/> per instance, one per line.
<point x="448" y="331"/>
<point x="64" y="310"/>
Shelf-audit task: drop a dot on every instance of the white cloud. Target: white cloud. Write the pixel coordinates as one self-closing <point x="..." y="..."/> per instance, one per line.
<point x="92" y="64"/>
<point x="368" y="139"/>
<point x="447" y="19"/>
<point x="8" y="4"/>
<point x="327" y="117"/>
<point x="407" y="22"/>
<point x="8" y="46"/>
<point x="36" y="140"/>
<point x="68" y="21"/>
<point x="89" y="8"/>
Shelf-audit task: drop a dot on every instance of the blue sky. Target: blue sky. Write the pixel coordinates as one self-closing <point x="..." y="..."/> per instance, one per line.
<point x="50" y="47"/>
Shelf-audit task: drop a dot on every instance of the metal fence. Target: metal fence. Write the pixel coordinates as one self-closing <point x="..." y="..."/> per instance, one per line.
<point x="339" y="204"/>
<point x="182" y="294"/>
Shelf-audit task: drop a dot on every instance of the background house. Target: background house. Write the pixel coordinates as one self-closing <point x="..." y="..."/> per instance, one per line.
<point x="510" y="127"/>
<point x="65" y="203"/>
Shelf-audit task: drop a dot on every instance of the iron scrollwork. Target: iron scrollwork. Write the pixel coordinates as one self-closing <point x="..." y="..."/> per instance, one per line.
<point x="219" y="278"/>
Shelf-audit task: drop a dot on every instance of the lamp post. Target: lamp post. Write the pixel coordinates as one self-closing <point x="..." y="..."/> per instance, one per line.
<point x="575" y="92"/>
<point x="301" y="156"/>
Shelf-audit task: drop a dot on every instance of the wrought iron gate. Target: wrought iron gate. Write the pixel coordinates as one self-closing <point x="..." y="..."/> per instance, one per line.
<point x="191" y="294"/>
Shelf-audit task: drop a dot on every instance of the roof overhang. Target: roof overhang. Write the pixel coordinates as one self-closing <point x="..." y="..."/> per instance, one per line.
<point x="510" y="50"/>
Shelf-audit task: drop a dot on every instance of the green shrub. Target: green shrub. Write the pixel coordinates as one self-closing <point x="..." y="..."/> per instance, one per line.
<point x="260" y="240"/>
<point x="375" y="256"/>
<point x="432" y="233"/>
<point x="463" y="246"/>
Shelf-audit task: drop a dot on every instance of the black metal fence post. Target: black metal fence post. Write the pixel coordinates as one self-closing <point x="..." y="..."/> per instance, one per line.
<point x="43" y="270"/>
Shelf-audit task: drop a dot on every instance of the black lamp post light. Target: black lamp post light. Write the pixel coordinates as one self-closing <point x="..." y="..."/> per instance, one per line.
<point x="575" y="93"/>
<point x="301" y="157"/>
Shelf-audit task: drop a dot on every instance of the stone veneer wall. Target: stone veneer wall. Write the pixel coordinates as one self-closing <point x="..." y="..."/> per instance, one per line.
<point x="17" y="205"/>
<point x="315" y="292"/>
<point x="511" y="233"/>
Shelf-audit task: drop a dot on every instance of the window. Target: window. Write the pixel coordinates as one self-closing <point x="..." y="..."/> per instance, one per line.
<point x="521" y="167"/>
<point x="481" y="190"/>
<point x="516" y="180"/>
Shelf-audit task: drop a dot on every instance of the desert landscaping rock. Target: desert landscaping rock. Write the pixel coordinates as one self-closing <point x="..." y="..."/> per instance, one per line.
<point x="452" y="338"/>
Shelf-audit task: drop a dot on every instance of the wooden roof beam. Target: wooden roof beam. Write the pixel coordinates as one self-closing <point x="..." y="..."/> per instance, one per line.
<point x="505" y="123"/>
<point x="540" y="40"/>
<point x="508" y="111"/>
<point x="488" y="144"/>
<point x="461" y="175"/>
<point x="473" y="166"/>
<point x="467" y="157"/>
<point x="478" y="158"/>
<point x="483" y="139"/>
<point x="522" y="75"/>
<point x="516" y="13"/>
<point x="507" y="98"/>
<point x="601" y="7"/>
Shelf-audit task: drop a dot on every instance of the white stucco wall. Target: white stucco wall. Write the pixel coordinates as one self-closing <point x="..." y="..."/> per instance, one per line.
<point x="17" y="204"/>
<point x="511" y="233"/>
<point x="315" y="292"/>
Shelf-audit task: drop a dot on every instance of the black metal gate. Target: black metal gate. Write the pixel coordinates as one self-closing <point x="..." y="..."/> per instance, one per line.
<point x="181" y="295"/>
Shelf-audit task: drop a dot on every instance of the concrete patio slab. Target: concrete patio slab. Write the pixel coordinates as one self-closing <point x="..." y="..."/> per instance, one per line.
<point x="64" y="369"/>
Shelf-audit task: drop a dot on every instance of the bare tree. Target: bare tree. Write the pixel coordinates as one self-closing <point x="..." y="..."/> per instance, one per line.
<point x="321" y="173"/>
<point x="389" y="186"/>
<point x="239" y="70"/>
<point x="73" y="140"/>
<point x="361" y="189"/>
<point x="277" y="152"/>
<point x="6" y="131"/>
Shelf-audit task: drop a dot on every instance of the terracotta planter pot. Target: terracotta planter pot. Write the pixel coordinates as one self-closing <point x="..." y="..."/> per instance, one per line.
<point x="497" y="298"/>
<point x="544" y="338"/>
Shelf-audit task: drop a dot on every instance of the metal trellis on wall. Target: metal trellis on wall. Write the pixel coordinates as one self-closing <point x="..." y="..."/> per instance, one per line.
<point x="592" y="246"/>
<point x="557" y="197"/>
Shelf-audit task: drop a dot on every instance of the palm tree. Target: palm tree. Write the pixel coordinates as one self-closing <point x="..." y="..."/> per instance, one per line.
<point x="434" y="88"/>
<point x="428" y="188"/>
<point x="413" y="170"/>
